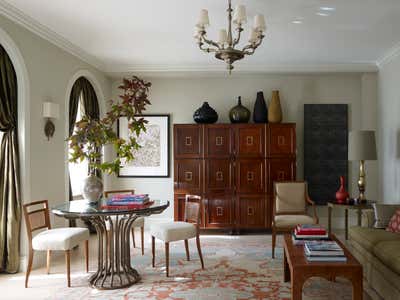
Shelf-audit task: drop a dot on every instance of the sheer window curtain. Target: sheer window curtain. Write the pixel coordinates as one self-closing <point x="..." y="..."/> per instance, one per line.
<point x="10" y="196"/>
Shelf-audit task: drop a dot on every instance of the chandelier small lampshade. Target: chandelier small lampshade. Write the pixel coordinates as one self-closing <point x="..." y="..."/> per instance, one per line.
<point x="204" y="21"/>
<point x="239" y="15"/>
<point x="259" y="23"/>
<point x="253" y="36"/>
<point x="223" y="37"/>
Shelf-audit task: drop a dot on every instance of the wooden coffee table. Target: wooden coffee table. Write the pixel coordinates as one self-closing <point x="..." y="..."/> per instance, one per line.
<point x="297" y="269"/>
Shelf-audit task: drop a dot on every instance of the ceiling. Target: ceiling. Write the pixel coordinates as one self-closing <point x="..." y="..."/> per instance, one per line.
<point x="154" y="35"/>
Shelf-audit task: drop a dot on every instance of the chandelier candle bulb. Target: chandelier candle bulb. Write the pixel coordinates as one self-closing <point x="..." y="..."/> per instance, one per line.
<point x="253" y="36"/>
<point x="239" y="16"/>
<point x="203" y="19"/>
<point x="259" y="22"/>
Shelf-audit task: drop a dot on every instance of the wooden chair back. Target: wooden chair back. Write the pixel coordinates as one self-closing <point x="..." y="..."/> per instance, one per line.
<point x="36" y="216"/>
<point x="192" y="209"/>
<point x="284" y="208"/>
<point x="114" y="192"/>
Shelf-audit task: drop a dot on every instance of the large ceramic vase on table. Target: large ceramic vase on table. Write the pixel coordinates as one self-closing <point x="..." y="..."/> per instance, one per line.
<point x="275" y="109"/>
<point x="260" y="113"/>
<point x="239" y="113"/>
<point x="92" y="188"/>
<point x="205" y="114"/>
<point x="342" y="195"/>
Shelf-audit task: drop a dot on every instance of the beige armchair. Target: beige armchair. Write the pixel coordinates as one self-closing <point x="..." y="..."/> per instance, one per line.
<point x="290" y="208"/>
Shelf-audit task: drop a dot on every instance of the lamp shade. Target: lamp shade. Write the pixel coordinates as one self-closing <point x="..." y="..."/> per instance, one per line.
<point x="362" y="145"/>
<point x="51" y="110"/>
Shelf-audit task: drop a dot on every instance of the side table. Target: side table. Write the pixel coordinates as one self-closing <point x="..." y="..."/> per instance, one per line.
<point x="347" y="207"/>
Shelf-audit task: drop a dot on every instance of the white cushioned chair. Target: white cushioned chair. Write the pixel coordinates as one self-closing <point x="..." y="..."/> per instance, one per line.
<point x="290" y="208"/>
<point x="139" y="222"/>
<point x="177" y="231"/>
<point x="63" y="239"/>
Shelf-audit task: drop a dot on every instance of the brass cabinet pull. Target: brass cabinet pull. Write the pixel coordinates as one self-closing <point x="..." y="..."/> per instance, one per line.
<point x="219" y="176"/>
<point x="250" y="176"/>
<point x="220" y="211"/>
<point x="281" y="140"/>
<point x="188" y="141"/>
<point x="249" y="140"/>
<point x="250" y="211"/>
<point x="219" y="141"/>
<point x="188" y="176"/>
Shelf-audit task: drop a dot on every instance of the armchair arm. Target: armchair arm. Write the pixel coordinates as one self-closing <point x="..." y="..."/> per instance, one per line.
<point x="312" y="203"/>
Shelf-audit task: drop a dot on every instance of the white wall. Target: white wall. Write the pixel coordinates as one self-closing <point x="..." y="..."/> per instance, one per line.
<point x="389" y="130"/>
<point x="49" y="71"/>
<point x="181" y="96"/>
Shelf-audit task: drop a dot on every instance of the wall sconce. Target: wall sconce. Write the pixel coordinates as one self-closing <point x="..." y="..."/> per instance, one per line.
<point x="50" y="111"/>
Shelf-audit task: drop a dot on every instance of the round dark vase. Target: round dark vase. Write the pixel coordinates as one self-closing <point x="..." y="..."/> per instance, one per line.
<point x="205" y="114"/>
<point x="239" y="113"/>
<point x="342" y="194"/>
<point x="260" y="113"/>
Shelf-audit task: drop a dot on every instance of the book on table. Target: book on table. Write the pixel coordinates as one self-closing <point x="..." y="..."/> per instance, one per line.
<point x="324" y="251"/>
<point x="308" y="232"/>
<point x="128" y="199"/>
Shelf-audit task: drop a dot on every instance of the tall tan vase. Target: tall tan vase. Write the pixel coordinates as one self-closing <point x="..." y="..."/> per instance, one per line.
<point x="275" y="109"/>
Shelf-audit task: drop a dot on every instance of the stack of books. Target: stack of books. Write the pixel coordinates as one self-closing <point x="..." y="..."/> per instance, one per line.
<point x="324" y="251"/>
<point x="127" y="201"/>
<point x="309" y="232"/>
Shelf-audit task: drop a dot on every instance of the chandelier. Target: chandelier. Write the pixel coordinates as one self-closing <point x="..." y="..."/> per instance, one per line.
<point x="225" y="47"/>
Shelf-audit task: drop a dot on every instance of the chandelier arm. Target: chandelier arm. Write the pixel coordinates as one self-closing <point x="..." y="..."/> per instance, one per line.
<point x="252" y="47"/>
<point x="237" y="39"/>
<point x="209" y="42"/>
<point x="207" y="49"/>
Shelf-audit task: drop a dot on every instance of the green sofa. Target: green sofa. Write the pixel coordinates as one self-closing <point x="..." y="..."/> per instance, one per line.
<point x="379" y="253"/>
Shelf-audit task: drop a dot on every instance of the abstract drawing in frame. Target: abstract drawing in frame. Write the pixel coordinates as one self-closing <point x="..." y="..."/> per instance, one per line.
<point x="152" y="159"/>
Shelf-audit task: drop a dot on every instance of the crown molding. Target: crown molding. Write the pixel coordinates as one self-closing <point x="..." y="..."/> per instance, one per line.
<point x="46" y="33"/>
<point x="240" y="69"/>
<point x="389" y="55"/>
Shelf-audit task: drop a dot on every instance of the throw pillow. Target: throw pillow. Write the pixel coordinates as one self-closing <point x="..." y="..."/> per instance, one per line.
<point x="383" y="213"/>
<point x="394" y="224"/>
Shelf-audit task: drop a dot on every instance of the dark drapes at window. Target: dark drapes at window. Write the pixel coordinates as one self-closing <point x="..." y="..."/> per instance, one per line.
<point x="82" y="88"/>
<point x="10" y="196"/>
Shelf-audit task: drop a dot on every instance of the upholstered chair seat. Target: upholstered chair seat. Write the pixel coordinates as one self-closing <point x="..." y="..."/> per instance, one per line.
<point x="60" y="238"/>
<point x="292" y="220"/>
<point x="179" y="231"/>
<point x="176" y="231"/>
<point x="290" y="208"/>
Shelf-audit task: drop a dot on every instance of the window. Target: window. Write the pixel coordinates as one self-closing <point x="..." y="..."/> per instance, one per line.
<point x="78" y="171"/>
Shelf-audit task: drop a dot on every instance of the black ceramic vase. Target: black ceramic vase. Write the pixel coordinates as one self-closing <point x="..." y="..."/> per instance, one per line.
<point x="239" y="113"/>
<point x="205" y="114"/>
<point x="260" y="113"/>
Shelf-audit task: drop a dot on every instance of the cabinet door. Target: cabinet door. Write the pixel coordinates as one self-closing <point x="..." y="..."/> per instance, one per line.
<point x="250" y="141"/>
<point x="218" y="212"/>
<point x="219" y="175"/>
<point x="218" y="140"/>
<point x="280" y="169"/>
<point x="250" y="176"/>
<point x="188" y="141"/>
<point x="188" y="175"/>
<point x="282" y="139"/>
<point x="251" y="211"/>
<point x="179" y="209"/>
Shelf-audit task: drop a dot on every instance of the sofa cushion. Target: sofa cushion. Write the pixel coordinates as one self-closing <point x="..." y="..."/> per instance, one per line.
<point x="394" y="224"/>
<point x="383" y="214"/>
<point x="370" y="237"/>
<point x="389" y="253"/>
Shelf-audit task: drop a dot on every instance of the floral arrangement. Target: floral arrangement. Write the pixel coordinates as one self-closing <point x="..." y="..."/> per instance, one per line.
<point x="91" y="135"/>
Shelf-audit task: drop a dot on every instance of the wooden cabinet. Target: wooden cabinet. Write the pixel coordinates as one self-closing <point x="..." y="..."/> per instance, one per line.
<point x="233" y="167"/>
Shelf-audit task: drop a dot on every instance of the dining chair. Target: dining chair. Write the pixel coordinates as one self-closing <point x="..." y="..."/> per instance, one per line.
<point x="139" y="222"/>
<point x="59" y="239"/>
<point x="290" y="208"/>
<point x="177" y="231"/>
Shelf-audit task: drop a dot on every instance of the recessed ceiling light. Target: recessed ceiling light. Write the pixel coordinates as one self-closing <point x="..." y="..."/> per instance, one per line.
<point x="327" y="8"/>
<point x="297" y="22"/>
<point x="322" y="14"/>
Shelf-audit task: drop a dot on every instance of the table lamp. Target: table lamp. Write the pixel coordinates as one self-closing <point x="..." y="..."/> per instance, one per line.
<point x="362" y="147"/>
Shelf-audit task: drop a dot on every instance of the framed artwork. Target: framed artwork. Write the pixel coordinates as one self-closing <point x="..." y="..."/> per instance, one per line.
<point x="152" y="158"/>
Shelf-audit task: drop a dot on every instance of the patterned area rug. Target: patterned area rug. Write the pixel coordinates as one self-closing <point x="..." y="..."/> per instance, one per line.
<point x="236" y="267"/>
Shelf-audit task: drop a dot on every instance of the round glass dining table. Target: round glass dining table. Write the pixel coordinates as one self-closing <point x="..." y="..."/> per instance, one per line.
<point x="113" y="227"/>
